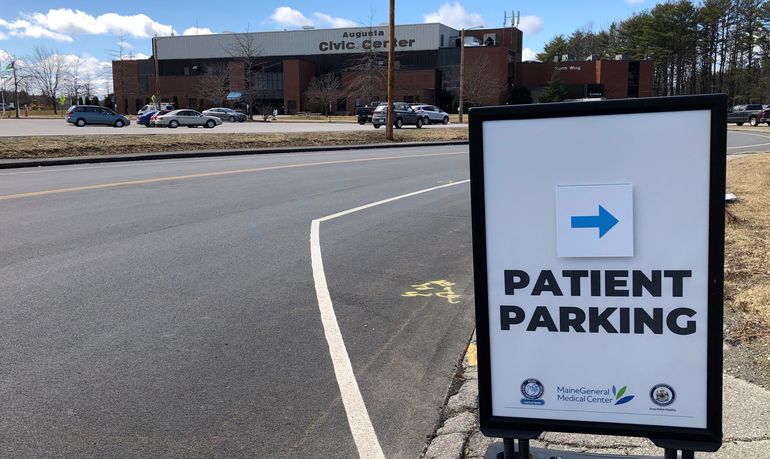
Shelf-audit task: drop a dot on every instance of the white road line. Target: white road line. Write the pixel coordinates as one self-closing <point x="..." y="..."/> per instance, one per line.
<point x="749" y="146"/>
<point x="749" y="133"/>
<point x="358" y="417"/>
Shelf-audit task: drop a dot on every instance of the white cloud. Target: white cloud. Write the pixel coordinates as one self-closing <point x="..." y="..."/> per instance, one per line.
<point x="337" y="23"/>
<point x="197" y="31"/>
<point x="25" y="29"/>
<point x="3" y="36"/>
<point x="528" y="55"/>
<point x="454" y="15"/>
<point x="60" y="24"/>
<point x="531" y="24"/>
<point x="634" y="2"/>
<point x="286" y="16"/>
<point x="125" y="44"/>
<point x="141" y="56"/>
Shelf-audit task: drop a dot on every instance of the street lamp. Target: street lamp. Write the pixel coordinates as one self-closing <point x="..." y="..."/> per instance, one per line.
<point x="462" y="64"/>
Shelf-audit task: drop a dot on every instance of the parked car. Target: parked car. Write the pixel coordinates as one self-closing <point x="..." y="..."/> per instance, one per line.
<point x="80" y="115"/>
<point x="402" y="114"/>
<point x="154" y="108"/>
<point x="144" y="119"/>
<point x="186" y="117"/>
<point x="431" y="114"/>
<point x="751" y="113"/>
<point x="226" y="114"/>
<point x="365" y="113"/>
<point x="154" y="118"/>
<point x="6" y="106"/>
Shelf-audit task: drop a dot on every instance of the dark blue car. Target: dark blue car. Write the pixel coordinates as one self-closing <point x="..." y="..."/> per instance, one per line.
<point x="144" y="119"/>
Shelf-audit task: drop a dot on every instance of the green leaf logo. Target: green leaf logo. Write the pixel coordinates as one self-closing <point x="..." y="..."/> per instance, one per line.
<point x="619" y="398"/>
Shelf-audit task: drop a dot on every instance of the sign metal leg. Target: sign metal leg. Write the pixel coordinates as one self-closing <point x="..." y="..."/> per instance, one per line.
<point x="509" y="448"/>
<point x="674" y="454"/>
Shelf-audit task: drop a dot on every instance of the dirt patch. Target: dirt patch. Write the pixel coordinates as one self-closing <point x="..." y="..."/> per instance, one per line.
<point x="91" y="145"/>
<point x="747" y="270"/>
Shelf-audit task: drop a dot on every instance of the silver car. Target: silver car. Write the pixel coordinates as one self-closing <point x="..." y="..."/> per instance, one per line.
<point x="431" y="114"/>
<point x="185" y="117"/>
<point x="226" y="114"/>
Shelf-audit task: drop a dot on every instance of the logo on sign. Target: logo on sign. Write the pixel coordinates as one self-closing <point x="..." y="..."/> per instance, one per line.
<point x="594" y="395"/>
<point x="620" y="397"/>
<point x="532" y="390"/>
<point x="662" y="394"/>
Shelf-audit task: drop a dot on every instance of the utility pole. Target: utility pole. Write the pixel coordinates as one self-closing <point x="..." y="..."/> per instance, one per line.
<point x="15" y="87"/>
<point x="462" y="70"/>
<point x="391" y="69"/>
<point x="157" y="74"/>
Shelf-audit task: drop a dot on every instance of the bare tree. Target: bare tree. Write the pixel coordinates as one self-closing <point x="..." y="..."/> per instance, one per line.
<point x="74" y="85"/>
<point x="247" y="52"/>
<point x="48" y="70"/>
<point x="366" y="75"/>
<point x="215" y="82"/>
<point x="324" y="88"/>
<point x="119" y="54"/>
<point x="481" y="84"/>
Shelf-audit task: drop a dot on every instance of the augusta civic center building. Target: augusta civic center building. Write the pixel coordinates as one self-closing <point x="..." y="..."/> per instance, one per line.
<point x="335" y="70"/>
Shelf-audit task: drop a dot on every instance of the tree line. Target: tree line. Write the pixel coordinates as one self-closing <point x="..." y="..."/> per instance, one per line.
<point x="717" y="46"/>
<point x="55" y="77"/>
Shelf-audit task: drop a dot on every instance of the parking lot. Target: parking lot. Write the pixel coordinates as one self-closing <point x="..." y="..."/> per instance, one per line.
<point x="57" y="127"/>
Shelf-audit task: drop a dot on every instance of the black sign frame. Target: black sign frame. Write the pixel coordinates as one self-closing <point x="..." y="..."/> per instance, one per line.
<point x="707" y="439"/>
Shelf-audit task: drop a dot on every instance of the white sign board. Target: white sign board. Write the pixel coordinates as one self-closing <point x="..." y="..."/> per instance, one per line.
<point x="597" y="267"/>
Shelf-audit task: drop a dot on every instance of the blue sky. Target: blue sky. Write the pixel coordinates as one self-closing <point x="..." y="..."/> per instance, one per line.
<point x="91" y="29"/>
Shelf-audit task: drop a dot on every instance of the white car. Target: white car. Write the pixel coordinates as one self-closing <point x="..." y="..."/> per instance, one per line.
<point x="186" y="117"/>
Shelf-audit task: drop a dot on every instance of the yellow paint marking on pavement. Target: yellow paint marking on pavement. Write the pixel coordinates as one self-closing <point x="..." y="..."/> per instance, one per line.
<point x="429" y="289"/>
<point x="470" y="355"/>
<point x="102" y="186"/>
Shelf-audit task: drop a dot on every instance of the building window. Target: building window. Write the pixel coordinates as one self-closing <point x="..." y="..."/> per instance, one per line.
<point x="291" y="104"/>
<point x="409" y="99"/>
<point x="342" y="104"/>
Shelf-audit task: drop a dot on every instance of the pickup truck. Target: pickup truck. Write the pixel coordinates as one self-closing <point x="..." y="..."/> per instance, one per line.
<point x="751" y="113"/>
<point x="364" y="113"/>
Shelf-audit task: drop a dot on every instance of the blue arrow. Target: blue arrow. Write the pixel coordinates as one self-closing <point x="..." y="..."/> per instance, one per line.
<point x="605" y="221"/>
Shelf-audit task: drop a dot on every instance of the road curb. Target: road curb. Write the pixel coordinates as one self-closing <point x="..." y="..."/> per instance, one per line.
<point x="18" y="163"/>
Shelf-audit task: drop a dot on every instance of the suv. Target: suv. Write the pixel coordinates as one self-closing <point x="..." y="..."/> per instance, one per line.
<point x="431" y="114"/>
<point x="402" y="114"/>
<point x="751" y="113"/>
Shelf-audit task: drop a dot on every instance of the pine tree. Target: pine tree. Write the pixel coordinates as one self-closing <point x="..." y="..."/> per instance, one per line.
<point x="556" y="91"/>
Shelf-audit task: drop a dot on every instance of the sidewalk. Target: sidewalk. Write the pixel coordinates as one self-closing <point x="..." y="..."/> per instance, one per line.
<point x="746" y="427"/>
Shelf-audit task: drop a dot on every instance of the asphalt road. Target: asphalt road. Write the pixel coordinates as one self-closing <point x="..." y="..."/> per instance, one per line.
<point x="747" y="142"/>
<point x="48" y="127"/>
<point x="170" y="308"/>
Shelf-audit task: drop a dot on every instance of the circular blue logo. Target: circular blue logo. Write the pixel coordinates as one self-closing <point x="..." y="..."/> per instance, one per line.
<point x="532" y="389"/>
<point x="662" y="394"/>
